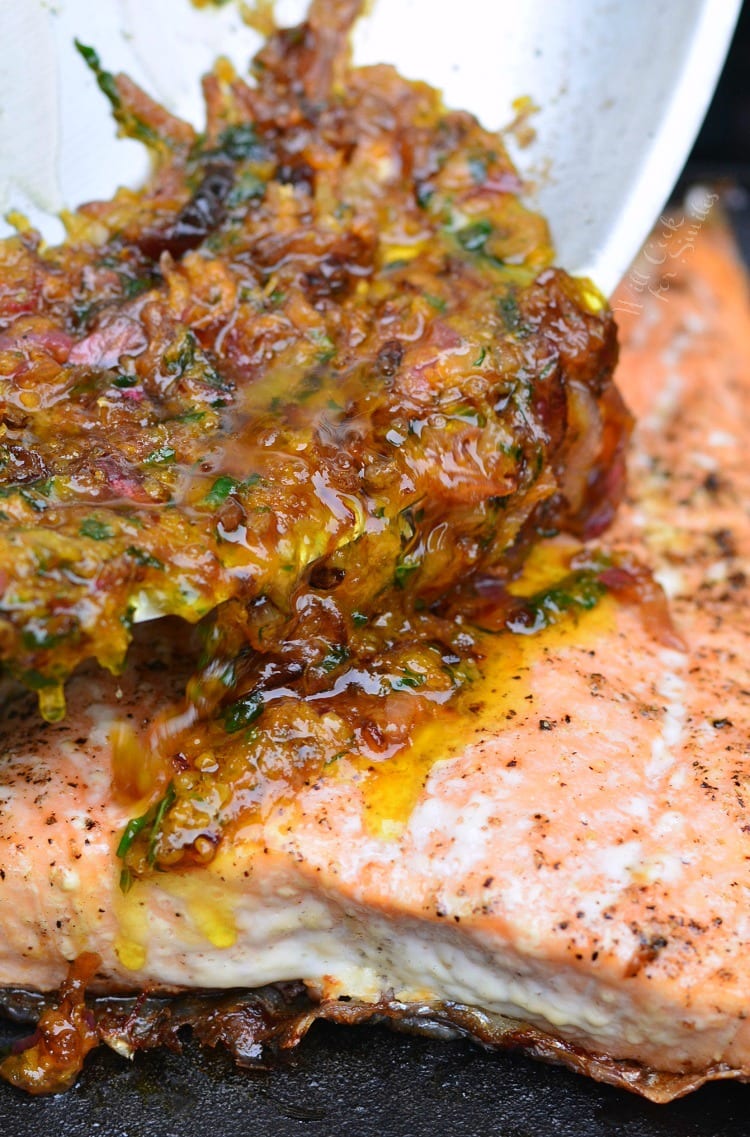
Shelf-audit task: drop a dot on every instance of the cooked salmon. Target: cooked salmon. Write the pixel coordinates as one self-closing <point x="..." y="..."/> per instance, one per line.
<point x="568" y="847"/>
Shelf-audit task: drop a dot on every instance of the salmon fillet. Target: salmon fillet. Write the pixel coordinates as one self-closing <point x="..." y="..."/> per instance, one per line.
<point x="569" y="849"/>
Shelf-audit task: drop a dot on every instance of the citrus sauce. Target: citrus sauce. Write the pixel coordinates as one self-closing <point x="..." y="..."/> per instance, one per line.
<point x="316" y="389"/>
<point x="498" y="693"/>
<point x="382" y="727"/>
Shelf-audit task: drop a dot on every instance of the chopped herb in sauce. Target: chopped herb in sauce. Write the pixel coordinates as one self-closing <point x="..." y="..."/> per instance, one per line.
<point x="289" y="393"/>
<point x="149" y="823"/>
<point x="95" y="529"/>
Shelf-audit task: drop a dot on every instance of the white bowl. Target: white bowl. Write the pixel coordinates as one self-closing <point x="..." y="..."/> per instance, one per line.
<point x="622" y="87"/>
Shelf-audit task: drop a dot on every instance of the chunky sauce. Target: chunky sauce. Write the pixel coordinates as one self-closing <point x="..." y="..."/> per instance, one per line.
<point x="316" y="388"/>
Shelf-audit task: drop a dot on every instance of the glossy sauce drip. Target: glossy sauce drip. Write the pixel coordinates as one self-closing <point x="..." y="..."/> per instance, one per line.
<point x="499" y="694"/>
<point x="383" y="720"/>
<point x="496" y="690"/>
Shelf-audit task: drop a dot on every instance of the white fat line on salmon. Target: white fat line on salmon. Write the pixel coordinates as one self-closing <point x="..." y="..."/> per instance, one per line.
<point x="719" y="571"/>
<point x="671" y="395"/>
<point x="671" y="688"/>
<point x="722" y="439"/>
<point x="672" y="580"/>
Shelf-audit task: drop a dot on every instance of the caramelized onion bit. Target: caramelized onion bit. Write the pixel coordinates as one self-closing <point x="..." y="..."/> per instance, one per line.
<point x="634" y="583"/>
<point x="52" y="1058"/>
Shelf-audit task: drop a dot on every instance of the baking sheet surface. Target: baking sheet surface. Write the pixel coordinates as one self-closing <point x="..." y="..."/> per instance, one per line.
<point x="360" y="1082"/>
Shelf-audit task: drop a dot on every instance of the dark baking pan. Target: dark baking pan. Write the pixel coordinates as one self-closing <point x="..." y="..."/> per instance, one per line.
<point x="360" y="1082"/>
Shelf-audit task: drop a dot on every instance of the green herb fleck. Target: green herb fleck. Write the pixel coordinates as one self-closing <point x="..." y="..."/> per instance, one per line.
<point x="221" y="490"/>
<point x="508" y="306"/>
<point x="151" y="820"/>
<point x="478" y="170"/>
<point x="511" y="315"/>
<point x="32" y="493"/>
<point x="424" y="193"/>
<point x="405" y="568"/>
<point x="247" y="187"/>
<point x="325" y="343"/>
<point x="408" y="678"/>
<point x="473" y="237"/>
<point x="37" y="681"/>
<point x="191" y="416"/>
<point x="95" y="529"/>
<point x="161" y="809"/>
<point x="135" y="285"/>
<point x="240" y="142"/>
<point x="337" y="654"/>
<point x="581" y="590"/>
<point x="130" y="123"/>
<point x="142" y="557"/>
<point x="131" y="831"/>
<point x="187" y="359"/>
<point x="165" y="454"/>
<point x="178" y="359"/>
<point x="242" y="713"/>
<point x="36" y="635"/>
<point x="105" y="79"/>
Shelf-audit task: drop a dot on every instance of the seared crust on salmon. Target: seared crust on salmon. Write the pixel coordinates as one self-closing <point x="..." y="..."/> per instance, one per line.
<point x="567" y="847"/>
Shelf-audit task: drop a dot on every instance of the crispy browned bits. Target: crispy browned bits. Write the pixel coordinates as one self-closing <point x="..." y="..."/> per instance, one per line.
<point x="52" y="1058"/>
